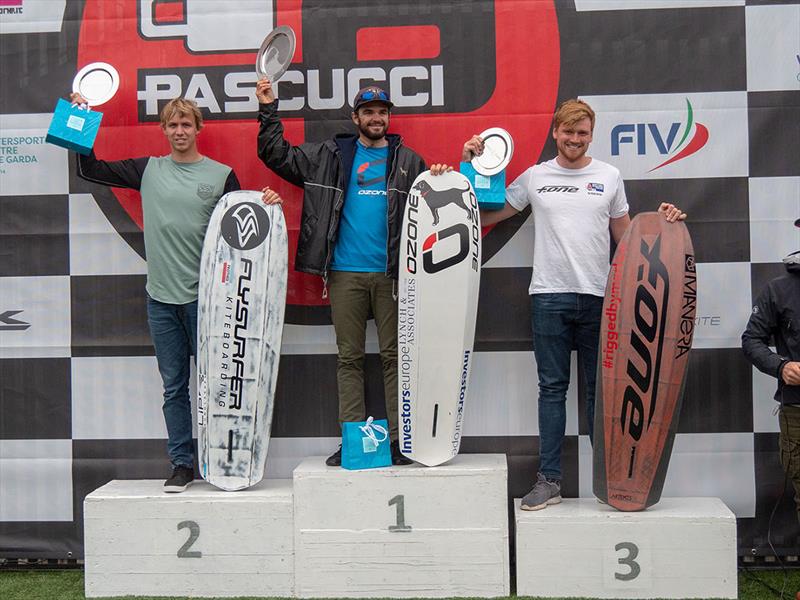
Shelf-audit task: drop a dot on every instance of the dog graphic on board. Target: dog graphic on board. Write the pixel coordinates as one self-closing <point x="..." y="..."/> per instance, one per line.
<point x="436" y="199"/>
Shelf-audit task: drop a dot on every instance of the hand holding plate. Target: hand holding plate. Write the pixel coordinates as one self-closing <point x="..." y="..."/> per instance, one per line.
<point x="76" y="98"/>
<point x="264" y="91"/>
<point x="472" y="147"/>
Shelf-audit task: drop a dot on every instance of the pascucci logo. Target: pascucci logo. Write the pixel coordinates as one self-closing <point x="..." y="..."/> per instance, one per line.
<point x="693" y="136"/>
<point x="204" y="50"/>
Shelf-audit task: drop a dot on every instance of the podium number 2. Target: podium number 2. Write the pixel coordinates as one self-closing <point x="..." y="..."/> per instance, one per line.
<point x="629" y="561"/>
<point x="194" y="533"/>
<point x="400" y="507"/>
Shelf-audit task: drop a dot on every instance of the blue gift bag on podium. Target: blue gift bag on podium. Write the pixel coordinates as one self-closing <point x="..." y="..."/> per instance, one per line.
<point x="365" y="444"/>
<point x="73" y="127"/>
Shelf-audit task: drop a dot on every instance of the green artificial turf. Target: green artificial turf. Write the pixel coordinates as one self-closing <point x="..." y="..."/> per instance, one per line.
<point x="40" y="584"/>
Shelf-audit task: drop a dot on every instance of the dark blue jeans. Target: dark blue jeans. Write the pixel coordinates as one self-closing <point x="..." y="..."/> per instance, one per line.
<point x="561" y="323"/>
<point x="173" y="328"/>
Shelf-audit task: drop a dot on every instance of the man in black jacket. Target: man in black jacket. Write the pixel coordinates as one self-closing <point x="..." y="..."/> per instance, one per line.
<point x="354" y="193"/>
<point x="776" y="316"/>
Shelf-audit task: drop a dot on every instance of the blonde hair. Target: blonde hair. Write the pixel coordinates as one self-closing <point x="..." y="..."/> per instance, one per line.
<point x="183" y="108"/>
<point x="571" y="111"/>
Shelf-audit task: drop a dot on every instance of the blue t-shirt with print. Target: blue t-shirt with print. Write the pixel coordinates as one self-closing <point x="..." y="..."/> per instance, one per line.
<point x="363" y="230"/>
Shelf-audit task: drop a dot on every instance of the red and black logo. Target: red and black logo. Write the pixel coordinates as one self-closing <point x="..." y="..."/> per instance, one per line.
<point x="428" y="61"/>
<point x="429" y="264"/>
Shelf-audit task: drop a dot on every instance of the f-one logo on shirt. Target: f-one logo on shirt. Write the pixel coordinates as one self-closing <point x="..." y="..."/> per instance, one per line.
<point x="245" y="225"/>
<point x="568" y="189"/>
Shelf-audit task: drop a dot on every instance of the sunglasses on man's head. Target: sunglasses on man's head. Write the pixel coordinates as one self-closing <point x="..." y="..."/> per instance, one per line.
<point x="375" y="95"/>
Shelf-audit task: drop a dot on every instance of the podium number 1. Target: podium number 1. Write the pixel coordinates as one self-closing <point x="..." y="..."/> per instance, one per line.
<point x="629" y="561"/>
<point x="400" y="507"/>
<point x="194" y="533"/>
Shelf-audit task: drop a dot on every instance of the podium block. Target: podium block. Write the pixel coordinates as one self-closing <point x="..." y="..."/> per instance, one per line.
<point x="202" y="542"/>
<point x="679" y="548"/>
<point x="402" y="531"/>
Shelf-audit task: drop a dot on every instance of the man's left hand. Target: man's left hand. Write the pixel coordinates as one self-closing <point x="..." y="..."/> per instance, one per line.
<point x="270" y="196"/>
<point x="672" y="212"/>
<point x="440" y="169"/>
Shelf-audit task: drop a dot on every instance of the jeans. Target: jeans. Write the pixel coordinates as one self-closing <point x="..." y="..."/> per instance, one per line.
<point x="562" y="322"/>
<point x="173" y="328"/>
<point x="352" y="296"/>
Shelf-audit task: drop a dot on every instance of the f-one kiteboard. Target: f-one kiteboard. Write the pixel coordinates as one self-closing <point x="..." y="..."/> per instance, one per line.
<point x="645" y="338"/>
<point x="439" y="277"/>
<point x="241" y="307"/>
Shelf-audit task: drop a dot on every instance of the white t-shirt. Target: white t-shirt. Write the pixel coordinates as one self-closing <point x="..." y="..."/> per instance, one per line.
<point x="571" y="212"/>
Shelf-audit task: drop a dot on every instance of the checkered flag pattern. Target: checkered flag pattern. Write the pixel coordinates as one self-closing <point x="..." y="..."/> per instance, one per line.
<point x="79" y="389"/>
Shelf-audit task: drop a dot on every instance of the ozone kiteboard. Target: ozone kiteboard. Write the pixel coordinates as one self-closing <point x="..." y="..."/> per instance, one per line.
<point x="645" y="337"/>
<point x="440" y="262"/>
<point x="241" y="307"/>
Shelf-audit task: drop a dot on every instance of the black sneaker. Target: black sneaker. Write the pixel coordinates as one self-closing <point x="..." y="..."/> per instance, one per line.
<point x="182" y="478"/>
<point x="335" y="459"/>
<point x="398" y="458"/>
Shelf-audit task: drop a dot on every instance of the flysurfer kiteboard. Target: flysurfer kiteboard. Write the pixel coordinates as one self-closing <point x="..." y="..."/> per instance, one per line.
<point x="241" y="306"/>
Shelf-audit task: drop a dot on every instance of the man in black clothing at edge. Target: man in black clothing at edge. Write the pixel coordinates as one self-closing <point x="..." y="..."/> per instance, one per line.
<point x="776" y="316"/>
<point x="354" y="194"/>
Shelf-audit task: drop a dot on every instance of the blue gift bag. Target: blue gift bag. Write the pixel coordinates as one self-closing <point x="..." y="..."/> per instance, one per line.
<point x="491" y="191"/>
<point x="73" y="127"/>
<point x="365" y="444"/>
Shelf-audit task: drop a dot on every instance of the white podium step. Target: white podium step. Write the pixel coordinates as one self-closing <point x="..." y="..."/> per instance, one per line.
<point x="202" y="542"/>
<point x="402" y="531"/>
<point x="679" y="548"/>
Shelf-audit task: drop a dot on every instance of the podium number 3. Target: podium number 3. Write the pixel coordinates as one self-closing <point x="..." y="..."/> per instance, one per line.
<point x="194" y="533"/>
<point x="629" y="561"/>
<point x="399" y="503"/>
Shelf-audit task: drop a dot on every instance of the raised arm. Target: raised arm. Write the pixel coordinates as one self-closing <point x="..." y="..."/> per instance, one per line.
<point x="294" y="163"/>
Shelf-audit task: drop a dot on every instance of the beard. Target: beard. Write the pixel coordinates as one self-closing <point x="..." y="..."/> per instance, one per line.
<point x="372" y="135"/>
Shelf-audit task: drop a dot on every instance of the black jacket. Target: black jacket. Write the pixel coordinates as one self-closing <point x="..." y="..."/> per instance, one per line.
<point x="323" y="170"/>
<point x="776" y="316"/>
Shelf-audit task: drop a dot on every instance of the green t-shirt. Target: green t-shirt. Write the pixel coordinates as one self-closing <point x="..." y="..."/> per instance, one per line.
<point x="177" y="202"/>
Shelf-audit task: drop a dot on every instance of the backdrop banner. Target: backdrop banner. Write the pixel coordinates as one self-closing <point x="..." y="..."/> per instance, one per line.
<point x="698" y="103"/>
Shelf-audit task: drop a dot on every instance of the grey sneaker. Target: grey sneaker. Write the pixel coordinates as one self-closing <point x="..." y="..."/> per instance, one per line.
<point x="544" y="492"/>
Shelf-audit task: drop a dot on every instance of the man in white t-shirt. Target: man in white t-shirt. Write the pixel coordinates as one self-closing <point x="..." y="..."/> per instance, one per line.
<point x="578" y="204"/>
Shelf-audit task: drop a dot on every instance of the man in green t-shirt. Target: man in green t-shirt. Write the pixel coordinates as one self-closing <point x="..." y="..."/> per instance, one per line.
<point x="179" y="192"/>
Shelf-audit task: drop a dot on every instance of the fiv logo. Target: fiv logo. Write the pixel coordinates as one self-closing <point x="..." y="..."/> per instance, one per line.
<point x="676" y="141"/>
